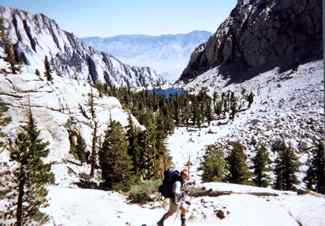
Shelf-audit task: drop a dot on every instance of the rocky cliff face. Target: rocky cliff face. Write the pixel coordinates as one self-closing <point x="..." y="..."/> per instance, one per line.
<point x="35" y="36"/>
<point x="259" y="35"/>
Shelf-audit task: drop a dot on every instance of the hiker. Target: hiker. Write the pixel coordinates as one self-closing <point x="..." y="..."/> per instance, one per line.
<point x="176" y="195"/>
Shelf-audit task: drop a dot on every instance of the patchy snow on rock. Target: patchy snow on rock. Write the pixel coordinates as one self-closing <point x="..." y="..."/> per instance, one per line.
<point x="287" y="106"/>
<point x="81" y="207"/>
<point x="52" y="105"/>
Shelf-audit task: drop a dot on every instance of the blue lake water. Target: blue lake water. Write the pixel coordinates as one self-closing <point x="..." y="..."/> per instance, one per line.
<point x="169" y="92"/>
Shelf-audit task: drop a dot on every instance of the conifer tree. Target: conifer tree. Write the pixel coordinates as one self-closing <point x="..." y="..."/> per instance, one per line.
<point x="250" y="99"/>
<point x="10" y="56"/>
<point x="194" y="111"/>
<point x="215" y="97"/>
<point x="261" y="163"/>
<point x="315" y="176"/>
<point x="225" y="103"/>
<point x="4" y="120"/>
<point x="5" y="173"/>
<point x="176" y="110"/>
<point x="208" y="112"/>
<point x="233" y="108"/>
<point x="37" y="72"/>
<point x="93" y="157"/>
<point x="149" y="156"/>
<point x="48" y="71"/>
<point x="218" y="108"/>
<point x="286" y="167"/>
<point x="115" y="163"/>
<point x="31" y="174"/>
<point x="134" y="150"/>
<point x="163" y="158"/>
<point x="238" y="170"/>
<point x="213" y="164"/>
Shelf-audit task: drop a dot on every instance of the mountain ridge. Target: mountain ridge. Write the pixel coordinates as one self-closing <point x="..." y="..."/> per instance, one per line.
<point x="148" y="35"/>
<point x="258" y="36"/>
<point x="167" y="53"/>
<point x="35" y="36"/>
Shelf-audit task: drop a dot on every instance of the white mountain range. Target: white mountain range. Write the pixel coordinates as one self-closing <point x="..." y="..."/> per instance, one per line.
<point x="168" y="54"/>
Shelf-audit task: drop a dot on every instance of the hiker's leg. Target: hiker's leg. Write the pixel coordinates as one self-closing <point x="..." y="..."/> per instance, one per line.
<point x="183" y="215"/>
<point x="172" y="209"/>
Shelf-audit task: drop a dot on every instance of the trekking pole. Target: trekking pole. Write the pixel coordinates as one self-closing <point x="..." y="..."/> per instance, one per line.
<point x="188" y="165"/>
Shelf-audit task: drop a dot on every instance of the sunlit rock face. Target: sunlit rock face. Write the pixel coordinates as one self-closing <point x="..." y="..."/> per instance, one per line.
<point x="35" y="36"/>
<point x="259" y="35"/>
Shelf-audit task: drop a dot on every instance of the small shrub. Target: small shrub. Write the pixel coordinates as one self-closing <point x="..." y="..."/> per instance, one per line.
<point x="139" y="197"/>
<point x="143" y="192"/>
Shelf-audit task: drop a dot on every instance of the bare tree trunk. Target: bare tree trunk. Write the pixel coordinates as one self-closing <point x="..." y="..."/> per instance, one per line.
<point x="93" y="151"/>
<point x="211" y="193"/>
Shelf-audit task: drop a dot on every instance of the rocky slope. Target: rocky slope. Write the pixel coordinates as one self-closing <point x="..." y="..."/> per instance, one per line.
<point x="58" y="107"/>
<point x="288" y="106"/>
<point x="259" y="35"/>
<point x="35" y="36"/>
<point x="168" y="54"/>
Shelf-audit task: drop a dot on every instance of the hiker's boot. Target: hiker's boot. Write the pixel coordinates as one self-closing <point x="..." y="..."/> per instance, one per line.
<point x="183" y="221"/>
<point x="160" y="223"/>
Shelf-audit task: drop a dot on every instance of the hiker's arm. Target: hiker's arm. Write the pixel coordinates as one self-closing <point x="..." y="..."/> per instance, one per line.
<point x="178" y="191"/>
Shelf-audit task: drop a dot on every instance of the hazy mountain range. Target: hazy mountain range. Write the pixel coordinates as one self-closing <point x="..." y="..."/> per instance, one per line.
<point x="168" y="54"/>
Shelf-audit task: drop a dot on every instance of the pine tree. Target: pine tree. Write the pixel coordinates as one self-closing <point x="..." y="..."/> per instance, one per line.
<point x="215" y="97"/>
<point x="10" y="56"/>
<point x="37" y="72"/>
<point x="48" y="71"/>
<point x="115" y="163"/>
<point x="233" y="108"/>
<point x="5" y="173"/>
<point x="93" y="157"/>
<point x="208" y="112"/>
<point x="149" y="153"/>
<point x="218" y="108"/>
<point x="238" y="170"/>
<point x="31" y="175"/>
<point x="176" y="109"/>
<point x="286" y="166"/>
<point x="198" y="115"/>
<point x="225" y="103"/>
<point x="134" y="150"/>
<point x="250" y="99"/>
<point x="315" y="176"/>
<point x="4" y="120"/>
<point x="195" y="112"/>
<point x="261" y="163"/>
<point x="163" y="159"/>
<point x="213" y="164"/>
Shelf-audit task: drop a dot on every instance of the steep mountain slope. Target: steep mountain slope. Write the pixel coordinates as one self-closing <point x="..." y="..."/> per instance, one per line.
<point x="259" y="35"/>
<point x="288" y="106"/>
<point x="35" y="36"/>
<point x="271" y="48"/>
<point x="58" y="107"/>
<point x="168" y="54"/>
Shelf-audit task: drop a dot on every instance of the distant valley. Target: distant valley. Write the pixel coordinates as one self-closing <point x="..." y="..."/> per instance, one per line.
<point x="167" y="54"/>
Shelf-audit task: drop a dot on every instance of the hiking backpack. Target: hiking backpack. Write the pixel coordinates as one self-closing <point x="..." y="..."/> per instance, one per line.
<point x="170" y="177"/>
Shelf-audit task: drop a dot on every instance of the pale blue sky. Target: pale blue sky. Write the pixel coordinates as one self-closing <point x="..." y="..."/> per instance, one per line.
<point x="114" y="17"/>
